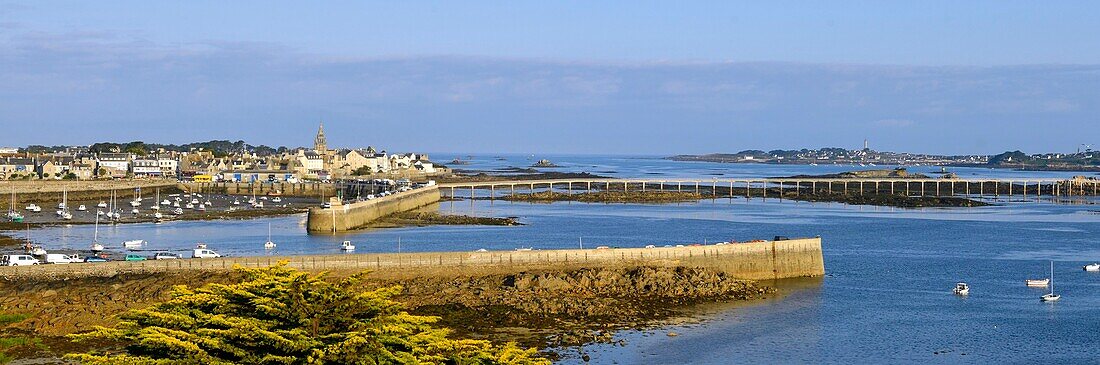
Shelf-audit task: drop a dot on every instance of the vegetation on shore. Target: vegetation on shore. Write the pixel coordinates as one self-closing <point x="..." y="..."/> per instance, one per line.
<point x="422" y="218"/>
<point x="544" y="307"/>
<point x="285" y="316"/>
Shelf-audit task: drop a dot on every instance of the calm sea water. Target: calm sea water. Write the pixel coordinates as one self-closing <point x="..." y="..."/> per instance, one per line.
<point x="886" y="297"/>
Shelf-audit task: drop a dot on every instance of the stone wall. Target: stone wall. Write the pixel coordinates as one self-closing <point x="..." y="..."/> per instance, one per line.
<point x="346" y="217"/>
<point x="751" y="261"/>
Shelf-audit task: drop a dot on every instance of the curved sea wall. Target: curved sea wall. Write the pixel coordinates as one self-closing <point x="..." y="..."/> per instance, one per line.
<point x="346" y="217"/>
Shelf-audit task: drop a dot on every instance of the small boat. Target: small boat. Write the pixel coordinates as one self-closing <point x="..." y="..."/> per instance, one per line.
<point x="132" y="244"/>
<point x="194" y="201"/>
<point x="200" y="245"/>
<point x="208" y="203"/>
<point x="177" y="211"/>
<point x="101" y="205"/>
<point x="276" y="200"/>
<point x="135" y="211"/>
<point x="34" y="208"/>
<point x="81" y="208"/>
<point x="1092" y="267"/>
<point x="189" y="206"/>
<point x="66" y="216"/>
<point x="525" y="249"/>
<point x="176" y="205"/>
<point x="961" y="289"/>
<point x="347" y="246"/>
<point x="38" y="251"/>
<point x="135" y="203"/>
<point x="201" y="208"/>
<point x="236" y="202"/>
<point x="157" y="215"/>
<point x="258" y="205"/>
<point x="1051" y="297"/>
<point x="165" y="202"/>
<point x="1038" y="282"/>
<point x="96" y="246"/>
<point x="269" y="245"/>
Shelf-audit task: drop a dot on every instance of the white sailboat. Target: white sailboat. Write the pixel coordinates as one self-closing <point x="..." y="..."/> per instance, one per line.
<point x="96" y="246"/>
<point x="1050" y="297"/>
<point x="269" y="245"/>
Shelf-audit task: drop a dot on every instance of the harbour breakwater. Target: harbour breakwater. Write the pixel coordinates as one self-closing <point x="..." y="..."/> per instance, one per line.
<point x="342" y="217"/>
<point x="311" y="189"/>
<point x="764" y="260"/>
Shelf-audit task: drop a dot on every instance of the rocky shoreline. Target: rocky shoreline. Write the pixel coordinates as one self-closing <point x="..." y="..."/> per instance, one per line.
<point x="546" y="307"/>
<point x="425" y="218"/>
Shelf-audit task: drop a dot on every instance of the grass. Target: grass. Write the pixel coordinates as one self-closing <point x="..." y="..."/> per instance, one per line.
<point x="9" y="318"/>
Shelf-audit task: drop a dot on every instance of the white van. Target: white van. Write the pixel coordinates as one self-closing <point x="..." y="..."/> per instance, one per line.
<point x="18" y="260"/>
<point x="202" y="253"/>
<point x="57" y="258"/>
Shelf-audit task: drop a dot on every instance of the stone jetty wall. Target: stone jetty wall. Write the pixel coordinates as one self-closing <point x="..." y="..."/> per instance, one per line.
<point x="751" y="261"/>
<point x="349" y="216"/>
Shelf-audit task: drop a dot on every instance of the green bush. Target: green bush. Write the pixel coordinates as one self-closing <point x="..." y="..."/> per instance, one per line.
<point x="279" y="315"/>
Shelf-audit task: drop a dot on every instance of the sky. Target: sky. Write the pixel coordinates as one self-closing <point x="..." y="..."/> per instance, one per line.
<point x="608" y="77"/>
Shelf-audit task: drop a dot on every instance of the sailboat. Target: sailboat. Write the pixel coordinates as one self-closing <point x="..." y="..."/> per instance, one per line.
<point x="13" y="215"/>
<point x="63" y="207"/>
<point x="269" y="245"/>
<point x="1050" y="297"/>
<point x="96" y="246"/>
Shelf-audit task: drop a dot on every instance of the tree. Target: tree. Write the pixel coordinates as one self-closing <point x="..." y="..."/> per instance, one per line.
<point x="279" y="315"/>
<point x="362" y="170"/>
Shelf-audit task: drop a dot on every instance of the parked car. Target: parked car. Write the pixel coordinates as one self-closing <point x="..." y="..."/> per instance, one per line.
<point x="202" y="253"/>
<point x="133" y="257"/>
<point x="56" y="258"/>
<point x="165" y="256"/>
<point x="95" y="259"/>
<point x="18" y="260"/>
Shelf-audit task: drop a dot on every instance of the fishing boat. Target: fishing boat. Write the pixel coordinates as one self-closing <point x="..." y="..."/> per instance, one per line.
<point x="1038" y="282"/>
<point x="269" y="245"/>
<point x="961" y="289"/>
<point x="1092" y="267"/>
<point x="1051" y="297"/>
<point x="347" y="246"/>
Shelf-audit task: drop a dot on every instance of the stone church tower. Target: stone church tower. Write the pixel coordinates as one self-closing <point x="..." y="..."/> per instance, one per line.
<point x="319" y="144"/>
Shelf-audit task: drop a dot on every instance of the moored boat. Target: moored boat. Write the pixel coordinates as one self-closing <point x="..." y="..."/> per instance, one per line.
<point x="961" y="289"/>
<point x="1092" y="267"/>
<point x="1037" y="282"/>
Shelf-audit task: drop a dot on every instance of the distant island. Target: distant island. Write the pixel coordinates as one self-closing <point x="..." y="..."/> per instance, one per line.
<point x="1087" y="160"/>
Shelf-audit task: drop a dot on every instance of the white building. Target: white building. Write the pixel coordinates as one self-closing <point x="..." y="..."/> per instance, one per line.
<point x="116" y="162"/>
<point x="146" y="167"/>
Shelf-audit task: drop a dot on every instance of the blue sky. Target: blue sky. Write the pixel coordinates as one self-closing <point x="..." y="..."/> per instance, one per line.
<point x="569" y="77"/>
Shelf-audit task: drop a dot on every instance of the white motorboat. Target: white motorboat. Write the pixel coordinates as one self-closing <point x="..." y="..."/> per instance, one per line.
<point x="194" y="201"/>
<point x="236" y="202"/>
<point x="135" y="203"/>
<point x="1051" y="297"/>
<point x="177" y="211"/>
<point x="165" y="202"/>
<point x="101" y="205"/>
<point x="1038" y="282"/>
<point x="189" y="206"/>
<point x="157" y="215"/>
<point x="347" y="246"/>
<point x="1092" y="267"/>
<point x="961" y="289"/>
<point x="135" y="211"/>
<point x="200" y="245"/>
<point x="134" y="244"/>
<point x="276" y="200"/>
<point x="81" y="208"/>
<point x="34" y="208"/>
<point x="208" y="203"/>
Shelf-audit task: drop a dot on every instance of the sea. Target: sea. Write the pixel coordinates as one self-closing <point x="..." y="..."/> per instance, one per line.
<point x="886" y="296"/>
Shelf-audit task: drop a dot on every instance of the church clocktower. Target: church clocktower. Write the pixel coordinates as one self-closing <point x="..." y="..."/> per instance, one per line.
<point x="319" y="144"/>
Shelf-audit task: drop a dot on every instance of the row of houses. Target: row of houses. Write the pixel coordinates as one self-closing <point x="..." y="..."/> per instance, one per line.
<point x="292" y="166"/>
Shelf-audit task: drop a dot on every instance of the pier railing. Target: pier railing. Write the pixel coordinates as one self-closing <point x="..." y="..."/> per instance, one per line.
<point x="779" y="186"/>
